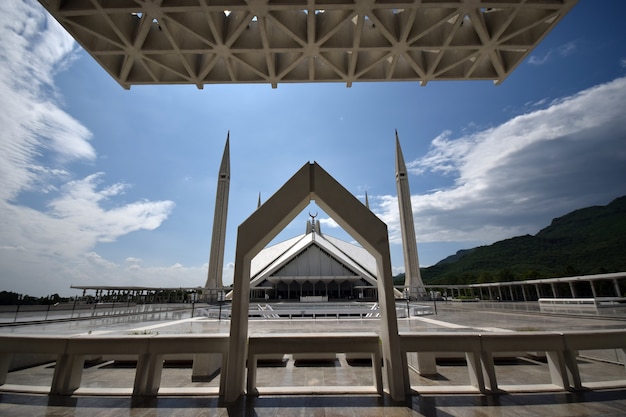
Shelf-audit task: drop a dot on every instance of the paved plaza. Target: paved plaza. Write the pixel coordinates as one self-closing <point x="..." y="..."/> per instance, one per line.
<point x="109" y="376"/>
<point x="596" y="404"/>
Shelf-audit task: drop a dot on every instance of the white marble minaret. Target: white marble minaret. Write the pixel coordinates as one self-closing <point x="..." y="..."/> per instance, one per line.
<point x="216" y="257"/>
<point x="413" y="279"/>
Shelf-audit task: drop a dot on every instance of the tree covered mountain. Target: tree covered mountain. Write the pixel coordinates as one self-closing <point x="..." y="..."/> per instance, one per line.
<point x="591" y="240"/>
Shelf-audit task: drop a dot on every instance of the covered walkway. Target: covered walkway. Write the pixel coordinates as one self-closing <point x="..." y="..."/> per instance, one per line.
<point x="584" y="286"/>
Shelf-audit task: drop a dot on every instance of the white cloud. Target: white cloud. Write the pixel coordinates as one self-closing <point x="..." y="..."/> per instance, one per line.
<point x="46" y="246"/>
<point x="514" y="178"/>
<point x="328" y="222"/>
<point x="32" y="50"/>
<point x="563" y="51"/>
<point x="227" y="273"/>
<point x="95" y="270"/>
<point x="99" y="261"/>
<point x="537" y="60"/>
<point x="80" y="204"/>
<point x="10" y="248"/>
<point x="395" y="270"/>
<point x="567" y="49"/>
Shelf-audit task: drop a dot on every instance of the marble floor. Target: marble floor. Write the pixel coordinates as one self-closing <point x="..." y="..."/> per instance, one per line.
<point x="340" y="372"/>
<point x="594" y="367"/>
<point x="610" y="403"/>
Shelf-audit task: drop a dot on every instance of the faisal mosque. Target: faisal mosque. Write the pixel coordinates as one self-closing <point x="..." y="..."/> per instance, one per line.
<point x="314" y="266"/>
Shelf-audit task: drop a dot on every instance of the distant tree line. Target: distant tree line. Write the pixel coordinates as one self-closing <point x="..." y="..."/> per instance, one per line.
<point x="13" y="298"/>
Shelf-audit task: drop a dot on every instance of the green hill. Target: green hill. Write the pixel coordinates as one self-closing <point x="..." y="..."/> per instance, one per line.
<point x="586" y="241"/>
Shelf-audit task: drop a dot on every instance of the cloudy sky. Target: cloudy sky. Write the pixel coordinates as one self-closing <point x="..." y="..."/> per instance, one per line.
<point x="104" y="186"/>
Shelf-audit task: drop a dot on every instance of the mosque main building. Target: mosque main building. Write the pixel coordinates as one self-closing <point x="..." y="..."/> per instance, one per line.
<point x="315" y="266"/>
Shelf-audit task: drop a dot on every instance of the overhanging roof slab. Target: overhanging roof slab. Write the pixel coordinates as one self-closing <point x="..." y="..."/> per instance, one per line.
<point x="202" y="42"/>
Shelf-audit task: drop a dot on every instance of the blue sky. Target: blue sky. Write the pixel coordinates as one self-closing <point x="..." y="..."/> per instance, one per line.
<point x="104" y="186"/>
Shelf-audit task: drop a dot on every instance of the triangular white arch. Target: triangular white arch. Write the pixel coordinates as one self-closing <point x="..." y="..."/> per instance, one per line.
<point x="312" y="182"/>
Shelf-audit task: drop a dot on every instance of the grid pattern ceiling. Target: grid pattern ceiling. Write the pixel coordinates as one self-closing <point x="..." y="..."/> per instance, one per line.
<point x="280" y="41"/>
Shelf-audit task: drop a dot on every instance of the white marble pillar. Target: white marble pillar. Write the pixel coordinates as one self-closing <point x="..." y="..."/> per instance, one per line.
<point x="218" y="238"/>
<point x="412" y="275"/>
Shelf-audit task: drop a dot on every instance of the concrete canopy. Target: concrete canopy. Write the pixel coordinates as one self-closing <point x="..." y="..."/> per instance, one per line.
<point x="311" y="182"/>
<point x="202" y="42"/>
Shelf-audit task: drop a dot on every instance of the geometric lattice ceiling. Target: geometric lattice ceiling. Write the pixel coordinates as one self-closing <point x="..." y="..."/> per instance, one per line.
<point x="281" y="41"/>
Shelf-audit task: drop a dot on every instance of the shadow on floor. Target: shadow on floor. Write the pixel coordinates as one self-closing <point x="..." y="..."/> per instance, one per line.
<point x="605" y="403"/>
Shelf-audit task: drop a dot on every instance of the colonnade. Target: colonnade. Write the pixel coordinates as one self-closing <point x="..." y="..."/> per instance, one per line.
<point x="138" y="295"/>
<point x="587" y="286"/>
<point x="333" y="289"/>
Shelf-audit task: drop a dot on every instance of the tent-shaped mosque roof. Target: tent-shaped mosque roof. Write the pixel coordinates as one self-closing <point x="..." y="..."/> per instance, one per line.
<point x="351" y="257"/>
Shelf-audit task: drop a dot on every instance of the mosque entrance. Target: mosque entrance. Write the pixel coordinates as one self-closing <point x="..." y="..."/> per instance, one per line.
<point x="312" y="183"/>
<point x="313" y="266"/>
